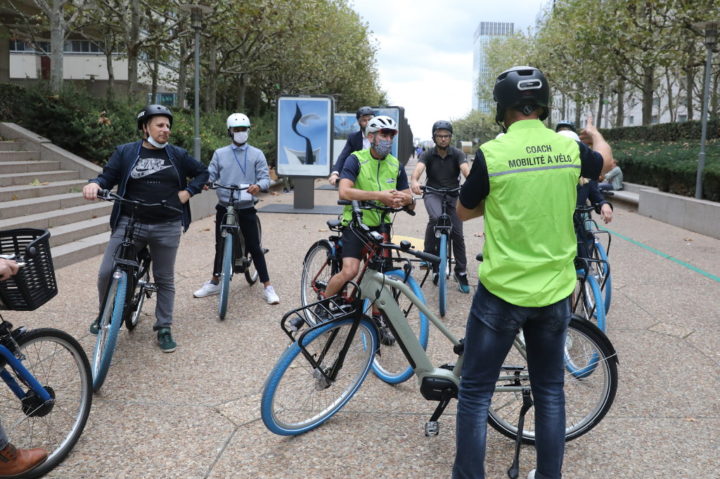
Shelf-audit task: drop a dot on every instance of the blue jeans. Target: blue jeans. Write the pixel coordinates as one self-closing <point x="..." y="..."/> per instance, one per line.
<point x="491" y="327"/>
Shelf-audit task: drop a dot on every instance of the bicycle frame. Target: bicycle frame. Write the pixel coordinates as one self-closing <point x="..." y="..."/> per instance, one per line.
<point x="25" y="376"/>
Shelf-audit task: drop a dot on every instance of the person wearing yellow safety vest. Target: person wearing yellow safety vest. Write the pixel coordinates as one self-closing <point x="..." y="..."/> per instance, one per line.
<point x="372" y="174"/>
<point x="525" y="185"/>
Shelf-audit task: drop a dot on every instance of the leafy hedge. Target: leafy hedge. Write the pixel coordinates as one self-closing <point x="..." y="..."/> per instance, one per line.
<point x="91" y="127"/>
<point x="689" y="130"/>
<point x="670" y="166"/>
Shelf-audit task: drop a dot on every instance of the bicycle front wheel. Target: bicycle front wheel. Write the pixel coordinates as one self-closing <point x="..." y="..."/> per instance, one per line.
<point x="587" y="398"/>
<point x="60" y="365"/>
<point x="251" y="273"/>
<point x="390" y="363"/>
<point x="110" y="321"/>
<point x="442" y="275"/>
<point x="302" y="391"/>
<point x="319" y="266"/>
<point x="226" y="275"/>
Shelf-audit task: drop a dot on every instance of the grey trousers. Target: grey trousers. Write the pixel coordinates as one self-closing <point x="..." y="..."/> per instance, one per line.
<point x="162" y="240"/>
<point x="433" y="205"/>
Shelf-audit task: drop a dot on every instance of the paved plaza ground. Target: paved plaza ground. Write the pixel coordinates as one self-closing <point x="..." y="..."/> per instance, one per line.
<point x="195" y="413"/>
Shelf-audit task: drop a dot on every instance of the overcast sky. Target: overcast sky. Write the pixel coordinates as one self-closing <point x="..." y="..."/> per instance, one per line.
<point x="425" y="55"/>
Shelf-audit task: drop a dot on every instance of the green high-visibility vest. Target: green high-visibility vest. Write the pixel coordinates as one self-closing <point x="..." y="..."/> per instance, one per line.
<point x="374" y="175"/>
<point x="530" y="243"/>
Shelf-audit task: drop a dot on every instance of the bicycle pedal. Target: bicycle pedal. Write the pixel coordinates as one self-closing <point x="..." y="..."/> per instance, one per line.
<point x="265" y="250"/>
<point x="432" y="428"/>
<point x="448" y="366"/>
<point x="150" y="288"/>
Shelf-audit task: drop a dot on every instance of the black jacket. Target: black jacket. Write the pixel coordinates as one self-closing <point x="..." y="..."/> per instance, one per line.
<point x="354" y="143"/>
<point x="122" y="161"/>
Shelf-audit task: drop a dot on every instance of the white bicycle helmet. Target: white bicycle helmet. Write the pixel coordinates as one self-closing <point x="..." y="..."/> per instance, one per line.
<point x="238" y="119"/>
<point x="381" y="122"/>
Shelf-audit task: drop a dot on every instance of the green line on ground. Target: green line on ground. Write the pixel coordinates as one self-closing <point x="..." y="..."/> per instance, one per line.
<point x="665" y="255"/>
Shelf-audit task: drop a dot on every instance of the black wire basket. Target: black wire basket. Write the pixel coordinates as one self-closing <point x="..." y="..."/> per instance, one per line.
<point x="35" y="283"/>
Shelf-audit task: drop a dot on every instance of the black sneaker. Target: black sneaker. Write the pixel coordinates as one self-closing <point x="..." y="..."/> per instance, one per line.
<point x="436" y="278"/>
<point x="95" y="326"/>
<point x="462" y="280"/>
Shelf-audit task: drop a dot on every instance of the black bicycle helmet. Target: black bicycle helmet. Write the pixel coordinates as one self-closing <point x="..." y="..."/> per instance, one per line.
<point x="565" y="125"/>
<point x="150" y="111"/>
<point x="364" y="110"/>
<point x="523" y="88"/>
<point x="442" y="125"/>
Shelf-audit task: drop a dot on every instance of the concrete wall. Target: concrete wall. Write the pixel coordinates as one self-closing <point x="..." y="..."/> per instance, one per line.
<point x="700" y="216"/>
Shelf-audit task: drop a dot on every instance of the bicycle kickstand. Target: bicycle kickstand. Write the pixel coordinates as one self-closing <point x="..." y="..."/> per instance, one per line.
<point x="432" y="428"/>
<point x="514" y="470"/>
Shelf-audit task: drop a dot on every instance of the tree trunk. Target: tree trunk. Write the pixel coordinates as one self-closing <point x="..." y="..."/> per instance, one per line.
<point x="647" y="94"/>
<point x="108" y="48"/>
<point x="242" y="88"/>
<point x="620" y="116"/>
<point x="671" y="100"/>
<point x="154" y="75"/>
<point x="133" y="48"/>
<point x="212" y="77"/>
<point x="578" y="111"/>
<point x="57" y="40"/>
<point x="182" y="74"/>
<point x="689" y="81"/>
<point x="714" y="97"/>
<point x="601" y="102"/>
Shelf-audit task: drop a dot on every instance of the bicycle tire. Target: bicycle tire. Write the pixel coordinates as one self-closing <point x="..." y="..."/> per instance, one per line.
<point x="251" y="273"/>
<point x="110" y="321"/>
<point x="390" y="364"/>
<point x="296" y="397"/>
<point x="605" y="279"/>
<point x="587" y="399"/>
<point x="59" y="363"/>
<point x="137" y="295"/>
<point x="590" y="305"/>
<point x="225" y="275"/>
<point x="319" y="266"/>
<point x="442" y="276"/>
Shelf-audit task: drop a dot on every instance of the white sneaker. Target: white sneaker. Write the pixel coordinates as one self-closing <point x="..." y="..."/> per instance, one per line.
<point x="270" y="296"/>
<point x="531" y="475"/>
<point x="207" y="289"/>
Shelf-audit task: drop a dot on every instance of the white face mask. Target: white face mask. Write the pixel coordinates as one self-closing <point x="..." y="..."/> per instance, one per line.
<point x="154" y="143"/>
<point x="240" y="137"/>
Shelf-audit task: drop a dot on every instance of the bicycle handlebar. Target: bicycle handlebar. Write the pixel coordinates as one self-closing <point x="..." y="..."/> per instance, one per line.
<point x="444" y="191"/>
<point x="215" y="185"/>
<point x="368" y="205"/>
<point x="108" y="195"/>
<point x="14" y="257"/>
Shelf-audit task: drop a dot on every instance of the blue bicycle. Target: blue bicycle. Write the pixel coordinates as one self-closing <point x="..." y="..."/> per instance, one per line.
<point x="129" y="286"/>
<point x="49" y="386"/>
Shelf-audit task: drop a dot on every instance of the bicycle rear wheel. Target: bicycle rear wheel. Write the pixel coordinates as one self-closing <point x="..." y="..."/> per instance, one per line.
<point x="226" y="275"/>
<point x="604" y="277"/>
<point x="110" y="321"/>
<point x="589" y="303"/>
<point x="251" y="273"/>
<point x="319" y="266"/>
<point x="60" y="365"/>
<point x="587" y="398"/>
<point x="138" y="294"/>
<point x="442" y="275"/>
<point x="390" y="363"/>
<point x="298" y="395"/>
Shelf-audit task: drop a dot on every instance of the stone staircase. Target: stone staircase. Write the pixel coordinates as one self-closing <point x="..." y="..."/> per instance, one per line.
<point x="44" y="193"/>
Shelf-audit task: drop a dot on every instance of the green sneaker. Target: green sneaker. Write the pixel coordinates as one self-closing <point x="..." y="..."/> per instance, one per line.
<point x="165" y="340"/>
<point x="95" y="326"/>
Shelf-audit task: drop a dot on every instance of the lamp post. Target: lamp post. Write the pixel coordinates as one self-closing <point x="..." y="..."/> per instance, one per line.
<point x="196" y="14"/>
<point x="711" y="33"/>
